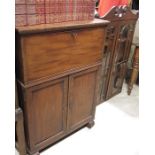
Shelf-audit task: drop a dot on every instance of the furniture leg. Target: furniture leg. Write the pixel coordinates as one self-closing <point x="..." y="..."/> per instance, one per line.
<point x="91" y="124"/>
<point x="135" y="70"/>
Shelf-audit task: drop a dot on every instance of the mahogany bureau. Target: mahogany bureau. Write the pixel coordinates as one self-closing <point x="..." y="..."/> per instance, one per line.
<point x="58" y="69"/>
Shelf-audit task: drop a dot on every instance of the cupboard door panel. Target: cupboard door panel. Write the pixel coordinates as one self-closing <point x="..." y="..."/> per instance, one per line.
<point x="46" y="111"/>
<point x="123" y="42"/>
<point x="82" y="97"/>
<point x="116" y="79"/>
<point x="109" y="47"/>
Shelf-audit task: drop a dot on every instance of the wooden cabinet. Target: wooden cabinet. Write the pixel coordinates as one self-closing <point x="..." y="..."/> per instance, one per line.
<point x="58" y="71"/>
<point x="116" y="51"/>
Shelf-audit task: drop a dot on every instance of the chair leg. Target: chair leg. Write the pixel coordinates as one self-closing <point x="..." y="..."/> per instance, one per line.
<point x="135" y="71"/>
<point x="132" y="80"/>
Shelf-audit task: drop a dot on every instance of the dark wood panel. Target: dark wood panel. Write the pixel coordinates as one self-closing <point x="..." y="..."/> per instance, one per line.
<point x="45" y="108"/>
<point x="82" y="97"/>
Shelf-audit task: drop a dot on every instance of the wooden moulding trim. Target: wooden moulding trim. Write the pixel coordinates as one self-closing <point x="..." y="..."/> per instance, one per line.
<point x="61" y="26"/>
<point x="53" y="77"/>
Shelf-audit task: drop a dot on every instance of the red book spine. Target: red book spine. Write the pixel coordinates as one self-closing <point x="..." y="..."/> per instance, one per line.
<point x="31" y="1"/>
<point x="20" y="1"/>
<point x="34" y="1"/>
<point x="73" y="14"/>
<point x="69" y="10"/>
<point x="35" y="9"/>
<point x="35" y="12"/>
<point x="20" y="20"/>
<point x="60" y="11"/>
<point x="56" y="13"/>
<point x="76" y="10"/>
<point x="20" y="9"/>
<point x="35" y="19"/>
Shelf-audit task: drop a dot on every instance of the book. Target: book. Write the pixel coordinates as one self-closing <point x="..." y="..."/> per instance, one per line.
<point x="32" y="12"/>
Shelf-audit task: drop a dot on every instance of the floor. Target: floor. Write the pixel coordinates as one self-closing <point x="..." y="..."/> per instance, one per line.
<point x="115" y="131"/>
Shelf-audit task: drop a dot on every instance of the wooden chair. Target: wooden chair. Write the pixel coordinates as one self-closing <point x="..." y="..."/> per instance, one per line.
<point x="19" y="127"/>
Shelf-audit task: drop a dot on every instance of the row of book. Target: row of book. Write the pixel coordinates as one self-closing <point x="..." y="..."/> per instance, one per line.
<point x="33" y="12"/>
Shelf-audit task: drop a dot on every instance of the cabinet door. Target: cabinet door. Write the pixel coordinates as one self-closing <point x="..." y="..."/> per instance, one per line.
<point x="45" y="115"/>
<point x="109" y="45"/>
<point x="123" y="42"/>
<point x="83" y="87"/>
<point x="109" y="49"/>
<point x="116" y="80"/>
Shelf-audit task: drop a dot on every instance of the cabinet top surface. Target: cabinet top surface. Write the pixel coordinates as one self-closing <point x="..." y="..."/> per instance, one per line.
<point x="60" y="26"/>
